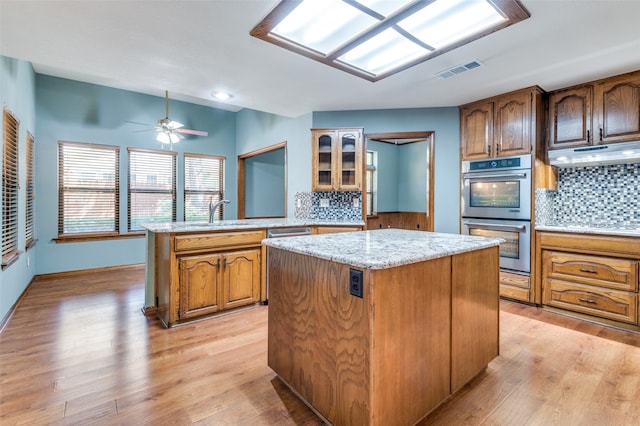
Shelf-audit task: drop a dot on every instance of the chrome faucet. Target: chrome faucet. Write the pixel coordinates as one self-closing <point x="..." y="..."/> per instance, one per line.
<point x="214" y="206"/>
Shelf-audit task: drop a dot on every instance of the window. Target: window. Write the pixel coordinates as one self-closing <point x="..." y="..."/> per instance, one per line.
<point x="203" y="181"/>
<point x="374" y="39"/>
<point x="88" y="189"/>
<point x="372" y="182"/>
<point x="152" y="187"/>
<point x="9" y="188"/>
<point x="31" y="195"/>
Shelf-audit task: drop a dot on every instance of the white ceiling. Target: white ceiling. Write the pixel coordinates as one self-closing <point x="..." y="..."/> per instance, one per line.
<point x="193" y="48"/>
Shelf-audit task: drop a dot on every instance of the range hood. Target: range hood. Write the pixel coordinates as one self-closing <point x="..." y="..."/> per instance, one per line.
<point x="596" y="155"/>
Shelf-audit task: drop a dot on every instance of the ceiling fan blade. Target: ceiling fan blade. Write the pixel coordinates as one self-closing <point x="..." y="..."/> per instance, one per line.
<point x="140" y="124"/>
<point x="156" y="129"/>
<point x="192" y="132"/>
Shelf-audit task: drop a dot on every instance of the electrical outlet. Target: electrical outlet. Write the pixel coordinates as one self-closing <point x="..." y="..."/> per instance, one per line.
<point x="355" y="283"/>
<point x="298" y="203"/>
<point x="324" y="202"/>
<point x="356" y="203"/>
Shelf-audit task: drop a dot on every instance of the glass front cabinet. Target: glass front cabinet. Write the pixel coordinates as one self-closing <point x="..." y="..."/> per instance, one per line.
<point x="337" y="159"/>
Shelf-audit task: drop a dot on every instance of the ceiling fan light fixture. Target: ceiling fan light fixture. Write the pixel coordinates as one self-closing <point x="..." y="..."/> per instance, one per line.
<point x="167" y="137"/>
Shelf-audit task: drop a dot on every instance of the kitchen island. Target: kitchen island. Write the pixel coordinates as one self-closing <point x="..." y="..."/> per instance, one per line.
<point x="380" y="327"/>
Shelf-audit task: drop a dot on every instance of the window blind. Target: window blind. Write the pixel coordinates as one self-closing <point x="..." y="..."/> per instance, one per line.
<point x="88" y="189"/>
<point x="203" y="181"/>
<point x="9" y="187"/>
<point x="31" y="195"/>
<point x="152" y="187"/>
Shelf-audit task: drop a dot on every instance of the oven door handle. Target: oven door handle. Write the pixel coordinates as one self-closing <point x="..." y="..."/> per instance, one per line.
<point x="502" y="176"/>
<point x="495" y="225"/>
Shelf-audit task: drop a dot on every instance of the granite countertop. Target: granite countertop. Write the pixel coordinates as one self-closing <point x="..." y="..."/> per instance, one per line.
<point x="614" y="229"/>
<point x="240" y="224"/>
<point x="382" y="248"/>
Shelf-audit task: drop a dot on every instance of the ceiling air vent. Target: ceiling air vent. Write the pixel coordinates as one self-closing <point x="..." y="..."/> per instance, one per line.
<point x="459" y="69"/>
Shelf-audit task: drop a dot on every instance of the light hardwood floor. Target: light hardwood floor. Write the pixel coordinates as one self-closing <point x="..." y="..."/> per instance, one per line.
<point x="79" y="351"/>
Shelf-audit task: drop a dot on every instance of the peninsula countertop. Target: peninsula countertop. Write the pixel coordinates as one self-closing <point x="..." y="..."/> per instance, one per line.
<point x="238" y="224"/>
<point x="382" y="248"/>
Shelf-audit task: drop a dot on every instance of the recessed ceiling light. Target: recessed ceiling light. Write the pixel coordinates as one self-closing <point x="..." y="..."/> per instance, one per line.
<point x="222" y="96"/>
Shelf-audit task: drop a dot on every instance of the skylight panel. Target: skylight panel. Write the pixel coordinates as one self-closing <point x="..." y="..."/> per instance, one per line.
<point x="323" y="25"/>
<point x="443" y="23"/>
<point x="383" y="52"/>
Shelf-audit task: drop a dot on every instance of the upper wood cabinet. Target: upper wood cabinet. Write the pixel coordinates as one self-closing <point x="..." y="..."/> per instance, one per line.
<point x="570" y="117"/>
<point x="601" y="112"/>
<point x="501" y="126"/>
<point x="617" y="109"/>
<point x="476" y="127"/>
<point x="337" y="159"/>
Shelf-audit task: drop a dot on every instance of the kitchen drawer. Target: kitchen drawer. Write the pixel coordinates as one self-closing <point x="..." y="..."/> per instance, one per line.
<point x="611" y="304"/>
<point x="221" y="240"/>
<point x="620" y="274"/>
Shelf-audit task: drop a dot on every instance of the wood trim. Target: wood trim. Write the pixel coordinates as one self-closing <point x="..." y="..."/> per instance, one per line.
<point x="242" y="175"/>
<point x="85" y="238"/>
<point x="382" y="137"/>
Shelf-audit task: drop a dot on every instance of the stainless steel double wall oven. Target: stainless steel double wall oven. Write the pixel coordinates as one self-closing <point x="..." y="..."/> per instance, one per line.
<point x="496" y="202"/>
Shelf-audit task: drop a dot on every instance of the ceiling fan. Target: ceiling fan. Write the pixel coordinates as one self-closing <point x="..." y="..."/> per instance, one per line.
<point x="169" y="131"/>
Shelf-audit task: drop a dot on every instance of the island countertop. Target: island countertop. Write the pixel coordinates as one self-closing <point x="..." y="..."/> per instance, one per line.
<point x="382" y="248"/>
<point x="233" y="224"/>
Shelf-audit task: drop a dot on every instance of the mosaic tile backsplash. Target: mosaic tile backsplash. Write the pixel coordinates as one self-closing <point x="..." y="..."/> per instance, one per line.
<point x="308" y="205"/>
<point x="594" y="195"/>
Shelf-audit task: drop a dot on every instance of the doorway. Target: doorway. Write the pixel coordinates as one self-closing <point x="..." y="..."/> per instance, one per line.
<point x="262" y="183"/>
<point x="399" y="190"/>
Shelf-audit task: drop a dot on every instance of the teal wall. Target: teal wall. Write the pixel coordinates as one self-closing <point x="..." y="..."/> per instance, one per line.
<point x="265" y="184"/>
<point x="412" y="177"/>
<point x="74" y="111"/>
<point x="387" y="171"/>
<point x="18" y="94"/>
<point x="444" y="122"/>
<point x="257" y="130"/>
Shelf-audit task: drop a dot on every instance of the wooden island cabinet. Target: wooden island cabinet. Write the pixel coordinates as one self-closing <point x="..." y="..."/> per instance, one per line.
<point x="380" y="327"/>
<point x="198" y="270"/>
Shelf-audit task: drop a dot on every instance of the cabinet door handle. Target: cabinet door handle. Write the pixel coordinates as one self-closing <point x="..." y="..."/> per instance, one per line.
<point x="224" y="263"/>
<point x="601" y="134"/>
<point x="585" y="300"/>
<point x="590" y="271"/>
<point x="218" y="263"/>
<point x="489" y="150"/>
<point x="588" y="136"/>
<point x="498" y="149"/>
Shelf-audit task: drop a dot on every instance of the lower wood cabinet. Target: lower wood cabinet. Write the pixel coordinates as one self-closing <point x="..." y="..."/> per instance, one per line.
<point x="201" y="274"/>
<point x="593" y="276"/>
<point x="213" y="282"/>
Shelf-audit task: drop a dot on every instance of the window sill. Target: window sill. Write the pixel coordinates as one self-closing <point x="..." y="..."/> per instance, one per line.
<point x="95" y="237"/>
<point x="10" y="259"/>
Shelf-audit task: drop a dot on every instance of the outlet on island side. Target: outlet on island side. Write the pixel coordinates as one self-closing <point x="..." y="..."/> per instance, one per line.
<point x="355" y="283"/>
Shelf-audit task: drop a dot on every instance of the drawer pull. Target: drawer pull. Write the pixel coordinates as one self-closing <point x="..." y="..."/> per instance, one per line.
<point x="590" y="271"/>
<point x="585" y="300"/>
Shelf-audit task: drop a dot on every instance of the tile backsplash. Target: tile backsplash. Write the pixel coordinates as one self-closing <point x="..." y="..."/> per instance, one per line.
<point x="311" y="205"/>
<point x="594" y="195"/>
